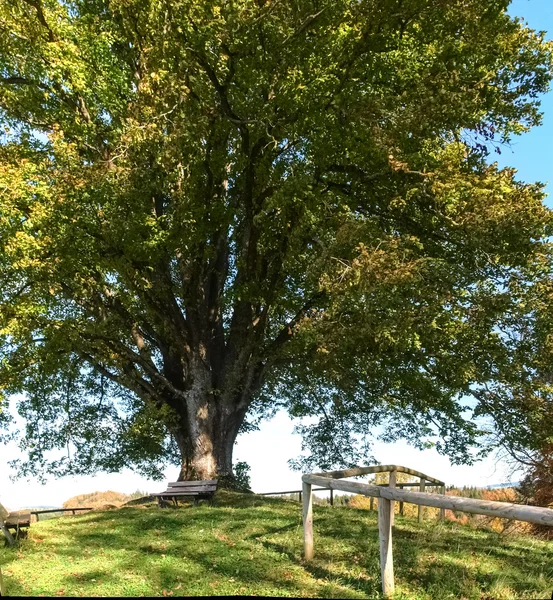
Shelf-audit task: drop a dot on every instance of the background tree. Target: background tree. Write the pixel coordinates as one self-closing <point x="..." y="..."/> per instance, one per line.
<point x="210" y="211"/>
<point x="536" y="488"/>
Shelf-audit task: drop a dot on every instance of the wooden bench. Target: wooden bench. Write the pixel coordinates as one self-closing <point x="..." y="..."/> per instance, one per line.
<point x="15" y="520"/>
<point x="199" y="490"/>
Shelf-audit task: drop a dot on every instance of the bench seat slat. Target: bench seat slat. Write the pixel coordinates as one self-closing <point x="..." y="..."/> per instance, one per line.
<point x="187" y="493"/>
<point x="192" y="489"/>
<point x="166" y="495"/>
<point x="183" y="484"/>
<point x="196" y="488"/>
<point x="18" y="522"/>
<point x="21" y="518"/>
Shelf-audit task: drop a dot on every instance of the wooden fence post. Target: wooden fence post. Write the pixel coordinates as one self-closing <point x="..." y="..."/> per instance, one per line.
<point x="385" y="538"/>
<point x="422" y="489"/>
<point x="392" y="483"/>
<point x="371" y="506"/>
<point x="331" y="497"/>
<point x="2" y="586"/>
<point x="307" y="521"/>
<point x="401" y="502"/>
<point x="442" y="510"/>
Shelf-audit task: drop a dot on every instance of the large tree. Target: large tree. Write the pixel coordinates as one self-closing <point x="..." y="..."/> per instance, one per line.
<point x="209" y="210"/>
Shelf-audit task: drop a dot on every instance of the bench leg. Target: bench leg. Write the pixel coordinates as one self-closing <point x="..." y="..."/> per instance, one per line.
<point x="9" y="537"/>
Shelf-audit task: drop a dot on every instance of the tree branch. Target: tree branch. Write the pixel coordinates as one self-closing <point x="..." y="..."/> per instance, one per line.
<point x="287" y="331"/>
<point x="36" y="4"/>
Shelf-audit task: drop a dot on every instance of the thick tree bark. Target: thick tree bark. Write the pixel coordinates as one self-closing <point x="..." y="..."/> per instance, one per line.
<point x="205" y="430"/>
<point x="206" y="440"/>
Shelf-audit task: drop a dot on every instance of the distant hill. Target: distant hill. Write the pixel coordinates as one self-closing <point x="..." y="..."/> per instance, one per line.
<point x="101" y="499"/>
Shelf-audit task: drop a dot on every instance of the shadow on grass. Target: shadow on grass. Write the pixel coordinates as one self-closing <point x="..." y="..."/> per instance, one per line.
<point x="246" y="544"/>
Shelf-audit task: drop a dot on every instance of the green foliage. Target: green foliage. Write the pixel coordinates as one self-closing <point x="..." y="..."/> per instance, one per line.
<point x="242" y="476"/>
<point x="260" y="204"/>
<point x="249" y="546"/>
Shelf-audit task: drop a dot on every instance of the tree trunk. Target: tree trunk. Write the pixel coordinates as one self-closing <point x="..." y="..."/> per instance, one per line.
<point x="206" y="432"/>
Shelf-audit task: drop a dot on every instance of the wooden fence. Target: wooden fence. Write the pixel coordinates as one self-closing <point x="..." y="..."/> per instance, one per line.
<point x="388" y="495"/>
<point x="299" y="492"/>
<point x="36" y="513"/>
<point x="392" y="469"/>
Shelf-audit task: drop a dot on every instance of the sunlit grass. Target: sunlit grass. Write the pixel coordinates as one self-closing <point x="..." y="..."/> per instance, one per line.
<point x="247" y="545"/>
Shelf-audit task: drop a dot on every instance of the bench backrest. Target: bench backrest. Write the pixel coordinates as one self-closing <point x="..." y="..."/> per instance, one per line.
<point x="200" y="487"/>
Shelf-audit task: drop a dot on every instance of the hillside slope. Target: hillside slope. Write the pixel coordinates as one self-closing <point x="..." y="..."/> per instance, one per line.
<point x="253" y="546"/>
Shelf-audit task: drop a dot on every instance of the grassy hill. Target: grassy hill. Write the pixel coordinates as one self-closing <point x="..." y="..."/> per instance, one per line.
<point x="253" y="546"/>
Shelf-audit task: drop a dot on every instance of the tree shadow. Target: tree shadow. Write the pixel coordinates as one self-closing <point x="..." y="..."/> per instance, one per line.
<point x="247" y="548"/>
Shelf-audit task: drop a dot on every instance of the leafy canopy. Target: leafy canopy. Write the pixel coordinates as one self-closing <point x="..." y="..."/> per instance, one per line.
<point x="297" y="193"/>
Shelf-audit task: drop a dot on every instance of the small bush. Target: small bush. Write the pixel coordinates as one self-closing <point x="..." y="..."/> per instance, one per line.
<point x="242" y="479"/>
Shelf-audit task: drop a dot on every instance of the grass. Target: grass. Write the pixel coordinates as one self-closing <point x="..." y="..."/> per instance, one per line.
<point x="247" y="545"/>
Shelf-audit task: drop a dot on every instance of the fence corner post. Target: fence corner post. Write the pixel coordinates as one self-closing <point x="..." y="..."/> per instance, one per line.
<point x="442" y="510"/>
<point x="385" y="539"/>
<point x="307" y="521"/>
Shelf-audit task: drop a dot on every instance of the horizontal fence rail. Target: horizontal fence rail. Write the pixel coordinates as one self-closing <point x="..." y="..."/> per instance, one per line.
<point x="357" y="471"/>
<point x="299" y="492"/>
<point x="505" y="510"/>
<point x="389" y="494"/>
<point x="55" y="510"/>
<point x="289" y="492"/>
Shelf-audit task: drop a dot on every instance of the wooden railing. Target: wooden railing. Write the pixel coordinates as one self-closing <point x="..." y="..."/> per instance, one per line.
<point x="55" y="510"/>
<point x="388" y="495"/>
<point x="299" y="492"/>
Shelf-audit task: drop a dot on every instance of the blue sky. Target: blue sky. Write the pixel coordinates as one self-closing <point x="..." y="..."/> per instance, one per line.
<point x="268" y="450"/>
<point x="532" y="153"/>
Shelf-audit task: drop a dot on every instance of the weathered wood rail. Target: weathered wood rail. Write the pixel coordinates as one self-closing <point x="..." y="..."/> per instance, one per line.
<point x="387" y="496"/>
<point x="36" y="513"/>
<point x="300" y="493"/>
<point x="393" y="469"/>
